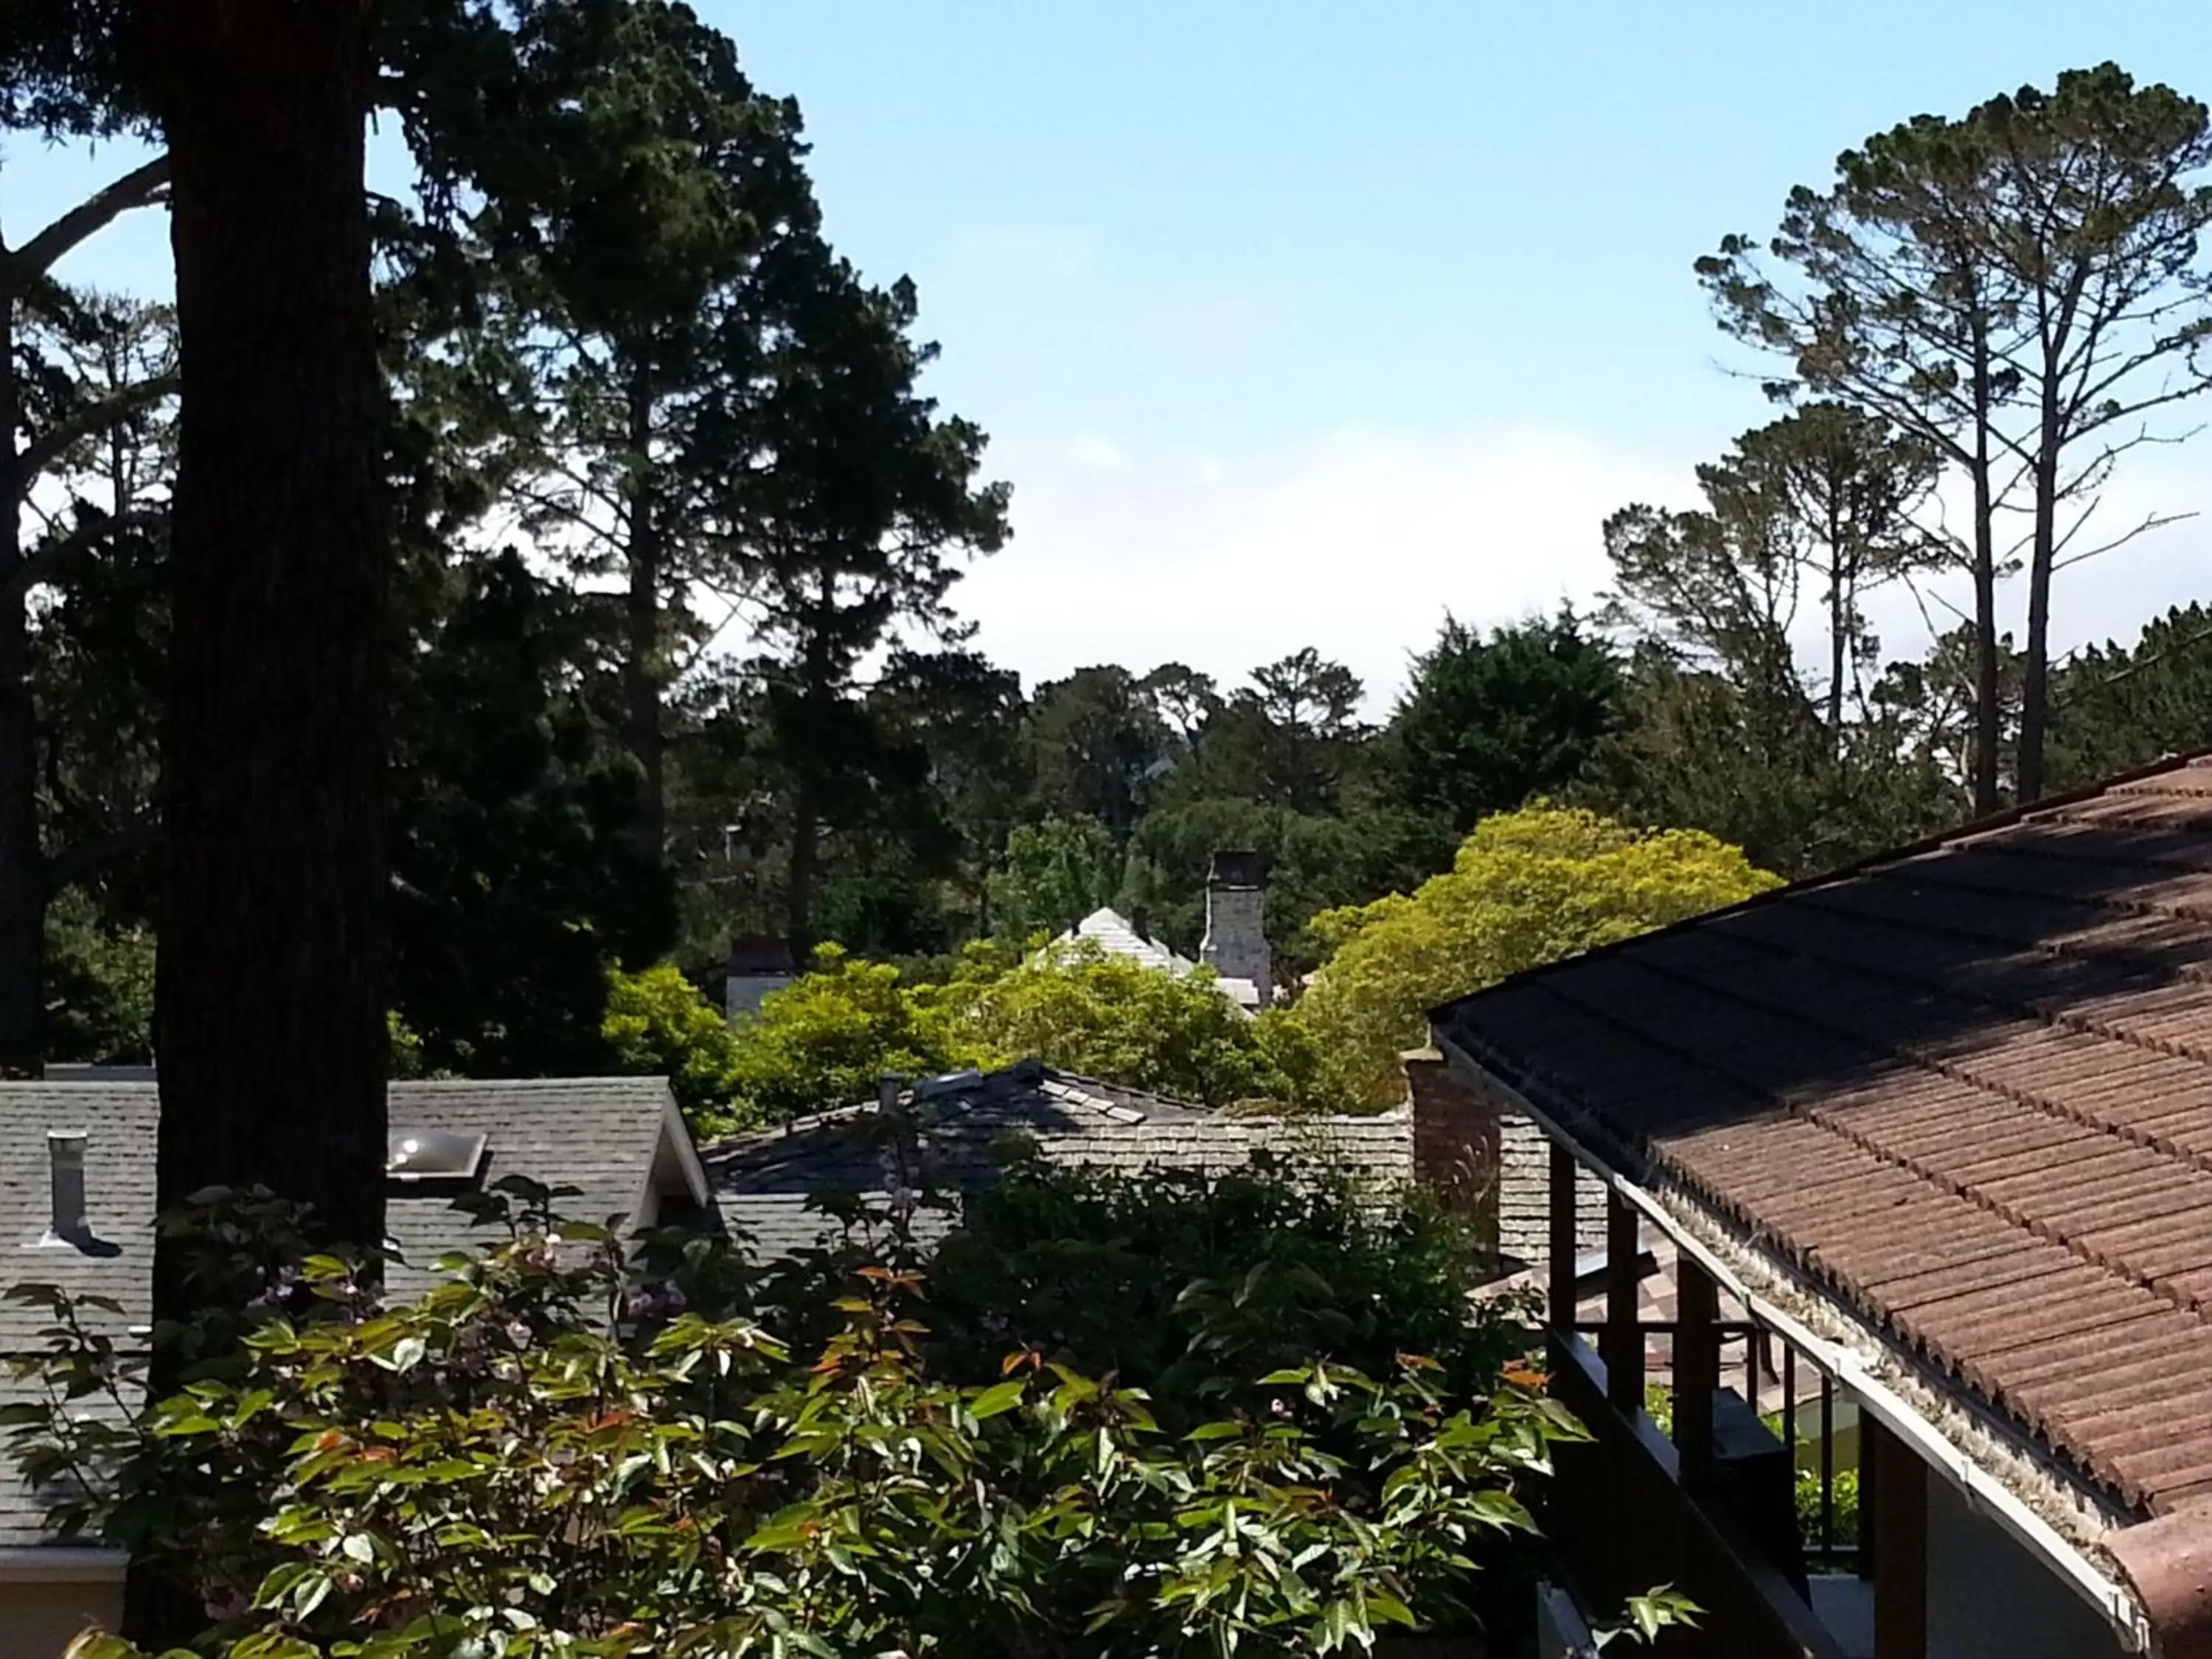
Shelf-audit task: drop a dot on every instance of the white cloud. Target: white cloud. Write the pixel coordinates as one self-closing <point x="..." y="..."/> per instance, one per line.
<point x="1356" y="542"/>
<point x="2106" y="596"/>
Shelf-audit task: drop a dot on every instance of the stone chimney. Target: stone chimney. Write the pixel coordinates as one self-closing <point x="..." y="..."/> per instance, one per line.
<point x="1483" y="1156"/>
<point x="1455" y="1139"/>
<point x="757" y="965"/>
<point x="1236" y="943"/>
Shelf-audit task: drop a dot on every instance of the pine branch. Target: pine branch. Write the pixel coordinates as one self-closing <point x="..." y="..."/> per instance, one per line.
<point x="136" y="189"/>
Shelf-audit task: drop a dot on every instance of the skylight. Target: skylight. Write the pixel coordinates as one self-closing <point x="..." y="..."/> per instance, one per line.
<point x="433" y="1154"/>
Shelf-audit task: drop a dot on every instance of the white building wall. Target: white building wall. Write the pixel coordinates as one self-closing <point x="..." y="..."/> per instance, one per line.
<point x="39" y="1620"/>
<point x="742" y="994"/>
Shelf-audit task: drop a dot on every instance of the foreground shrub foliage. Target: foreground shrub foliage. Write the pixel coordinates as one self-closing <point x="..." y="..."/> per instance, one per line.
<point x="572" y="1448"/>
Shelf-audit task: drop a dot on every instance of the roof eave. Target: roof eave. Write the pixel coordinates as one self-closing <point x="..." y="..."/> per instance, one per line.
<point x="61" y="1564"/>
<point x="676" y="1139"/>
<point x="1840" y="1347"/>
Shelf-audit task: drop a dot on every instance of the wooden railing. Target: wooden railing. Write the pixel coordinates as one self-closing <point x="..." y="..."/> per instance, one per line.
<point x="1622" y="1522"/>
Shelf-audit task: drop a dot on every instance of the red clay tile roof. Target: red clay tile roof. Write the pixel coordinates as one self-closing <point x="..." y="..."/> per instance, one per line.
<point x="1969" y="1089"/>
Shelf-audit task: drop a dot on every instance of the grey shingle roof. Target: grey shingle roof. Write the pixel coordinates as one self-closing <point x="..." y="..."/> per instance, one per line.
<point x="601" y="1135"/>
<point x="597" y="1134"/>
<point x="763" y="1181"/>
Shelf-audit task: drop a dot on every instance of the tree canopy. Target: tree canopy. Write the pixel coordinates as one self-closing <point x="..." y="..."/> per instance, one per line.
<point x="1526" y="888"/>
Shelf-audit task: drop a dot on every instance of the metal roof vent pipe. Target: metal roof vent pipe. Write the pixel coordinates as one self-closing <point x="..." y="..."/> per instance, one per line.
<point x="66" y="1223"/>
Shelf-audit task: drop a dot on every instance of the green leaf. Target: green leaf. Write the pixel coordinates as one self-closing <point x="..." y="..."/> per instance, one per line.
<point x="269" y="1644"/>
<point x="998" y="1398"/>
<point x="1390" y="1610"/>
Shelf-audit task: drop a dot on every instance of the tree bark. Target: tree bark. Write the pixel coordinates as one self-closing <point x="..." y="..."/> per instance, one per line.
<point x="1988" y="714"/>
<point x="799" y="884"/>
<point x="2035" y="682"/>
<point x="270" y="1025"/>
<point x="22" y="869"/>
<point x="1839" y="649"/>
<point x="23" y="875"/>
<point x="645" y="650"/>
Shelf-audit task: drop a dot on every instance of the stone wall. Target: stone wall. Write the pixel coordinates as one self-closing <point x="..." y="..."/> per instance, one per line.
<point x="1525" y="1197"/>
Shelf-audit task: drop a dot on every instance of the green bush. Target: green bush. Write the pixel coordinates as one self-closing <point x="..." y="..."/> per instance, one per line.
<point x="1076" y="1007"/>
<point x="1174" y="1281"/>
<point x="1843" y="1531"/>
<point x="658" y="1024"/>
<point x="100" y="986"/>
<point x="1526" y="888"/>
<point x="494" y="1468"/>
<point x="822" y="1040"/>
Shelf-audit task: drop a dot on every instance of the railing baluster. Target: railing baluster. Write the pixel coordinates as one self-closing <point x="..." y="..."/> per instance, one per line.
<point x="1827" y="1470"/>
<point x="1789" y="1429"/>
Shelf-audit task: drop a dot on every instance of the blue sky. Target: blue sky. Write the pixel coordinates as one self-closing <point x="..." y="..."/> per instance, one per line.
<point x="1300" y="324"/>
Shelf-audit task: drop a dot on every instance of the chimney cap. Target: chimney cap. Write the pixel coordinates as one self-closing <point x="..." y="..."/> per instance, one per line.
<point x="760" y="955"/>
<point x="1237" y="869"/>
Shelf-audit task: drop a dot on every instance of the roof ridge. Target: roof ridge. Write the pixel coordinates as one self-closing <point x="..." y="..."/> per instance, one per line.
<point x="528" y="1085"/>
<point x="1591" y="1129"/>
<point x="1938" y="842"/>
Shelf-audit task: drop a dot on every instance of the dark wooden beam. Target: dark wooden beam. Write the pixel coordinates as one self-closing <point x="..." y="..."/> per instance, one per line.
<point x="1564" y="1245"/>
<point x="1623" y="1338"/>
<point x="1696" y="1367"/>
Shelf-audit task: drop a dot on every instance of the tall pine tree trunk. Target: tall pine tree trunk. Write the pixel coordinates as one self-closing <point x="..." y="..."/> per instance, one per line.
<point x="1839" y="643"/>
<point x="270" y="1021"/>
<point x="645" y="651"/>
<point x="22" y="864"/>
<point x="646" y="738"/>
<point x="798" y="883"/>
<point x="1989" y="714"/>
<point x="22" y="861"/>
<point x="2035" y="684"/>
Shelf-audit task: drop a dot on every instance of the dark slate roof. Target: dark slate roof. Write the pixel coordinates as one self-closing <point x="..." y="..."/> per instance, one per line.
<point x="1966" y="1090"/>
<point x="763" y="1182"/>
<point x="602" y="1135"/>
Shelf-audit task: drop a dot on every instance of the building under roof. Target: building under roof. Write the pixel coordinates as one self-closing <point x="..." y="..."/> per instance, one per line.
<point x="951" y="1134"/>
<point x="1131" y="940"/>
<point x="1234" y="945"/>
<point x="77" y="1209"/>
<point x="1944" y="1120"/>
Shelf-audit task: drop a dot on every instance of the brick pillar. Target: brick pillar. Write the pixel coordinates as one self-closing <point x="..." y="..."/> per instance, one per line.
<point x="1456" y="1144"/>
